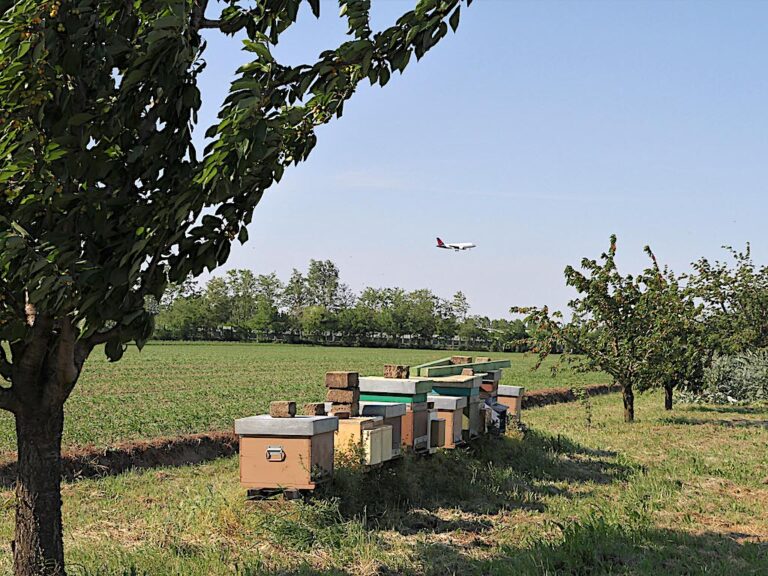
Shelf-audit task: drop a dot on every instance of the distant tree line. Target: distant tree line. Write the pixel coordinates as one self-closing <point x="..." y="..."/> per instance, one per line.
<point x="317" y="307"/>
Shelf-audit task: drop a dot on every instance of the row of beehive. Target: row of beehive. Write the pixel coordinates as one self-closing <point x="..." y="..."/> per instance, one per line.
<point x="440" y="404"/>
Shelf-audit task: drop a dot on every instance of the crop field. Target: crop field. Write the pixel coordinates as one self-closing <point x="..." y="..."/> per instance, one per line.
<point x="676" y="493"/>
<point x="180" y="388"/>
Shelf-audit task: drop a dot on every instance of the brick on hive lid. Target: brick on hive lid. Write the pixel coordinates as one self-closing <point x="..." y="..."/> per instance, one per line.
<point x="461" y="359"/>
<point x="468" y="372"/>
<point x="353" y="408"/>
<point x="482" y="358"/>
<point x="282" y="409"/>
<point x="341" y="379"/>
<point x="341" y="415"/>
<point x="314" y="409"/>
<point x="339" y="396"/>
<point x="396" y="371"/>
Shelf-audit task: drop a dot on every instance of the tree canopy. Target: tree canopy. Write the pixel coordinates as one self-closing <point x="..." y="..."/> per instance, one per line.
<point x="104" y="198"/>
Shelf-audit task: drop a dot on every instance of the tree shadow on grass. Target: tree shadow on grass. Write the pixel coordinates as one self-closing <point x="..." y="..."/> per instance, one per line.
<point x="591" y="546"/>
<point x="726" y="409"/>
<point x="492" y="475"/>
<point x="734" y="423"/>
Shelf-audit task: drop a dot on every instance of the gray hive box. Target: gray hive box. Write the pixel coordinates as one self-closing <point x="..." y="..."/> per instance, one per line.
<point x="265" y="425"/>
<point x="511" y="390"/>
<point x="384" y="409"/>
<point x="448" y="402"/>
<point x="401" y="386"/>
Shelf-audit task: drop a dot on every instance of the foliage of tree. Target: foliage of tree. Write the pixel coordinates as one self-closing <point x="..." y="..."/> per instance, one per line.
<point x="318" y="304"/>
<point x="735" y="300"/>
<point x="642" y="330"/>
<point x="104" y="199"/>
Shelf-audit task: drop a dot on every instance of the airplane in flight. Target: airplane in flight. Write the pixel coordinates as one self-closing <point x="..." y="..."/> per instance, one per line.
<point x="455" y="246"/>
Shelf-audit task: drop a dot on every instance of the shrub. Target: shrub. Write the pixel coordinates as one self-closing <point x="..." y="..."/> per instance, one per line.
<point x="739" y="378"/>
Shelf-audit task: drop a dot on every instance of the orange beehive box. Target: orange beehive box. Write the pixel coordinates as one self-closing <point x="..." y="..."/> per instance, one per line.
<point x="512" y="398"/>
<point x="415" y="428"/>
<point x="451" y="409"/>
<point x="277" y="453"/>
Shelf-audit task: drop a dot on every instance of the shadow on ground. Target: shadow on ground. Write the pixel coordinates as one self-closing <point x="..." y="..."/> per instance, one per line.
<point x="732" y="423"/>
<point x="590" y="547"/>
<point x="494" y="474"/>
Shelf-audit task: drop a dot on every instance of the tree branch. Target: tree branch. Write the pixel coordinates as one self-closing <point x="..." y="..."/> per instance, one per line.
<point x="198" y="15"/>
<point x="102" y="337"/>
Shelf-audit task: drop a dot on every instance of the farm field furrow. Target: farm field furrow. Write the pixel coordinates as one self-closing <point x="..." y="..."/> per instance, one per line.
<point x="169" y="389"/>
<point x="679" y="493"/>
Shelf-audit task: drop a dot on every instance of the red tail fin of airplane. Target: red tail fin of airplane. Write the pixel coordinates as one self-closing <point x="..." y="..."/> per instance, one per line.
<point x="440" y="243"/>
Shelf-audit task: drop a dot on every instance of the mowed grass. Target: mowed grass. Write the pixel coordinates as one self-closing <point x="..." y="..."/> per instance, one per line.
<point x="169" y="389"/>
<point x="675" y="493"/>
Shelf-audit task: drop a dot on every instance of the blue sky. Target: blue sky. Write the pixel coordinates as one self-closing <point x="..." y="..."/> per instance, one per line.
<point x="536" y="131"/>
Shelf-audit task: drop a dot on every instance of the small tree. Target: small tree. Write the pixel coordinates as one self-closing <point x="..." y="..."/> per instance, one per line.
<point x="612" y="329"/>
<point x="104" y="199"/>
<point x="677" y="333"/>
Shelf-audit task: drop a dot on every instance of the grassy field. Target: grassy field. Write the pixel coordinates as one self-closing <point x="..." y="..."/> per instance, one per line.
<point x="676" y="493"/>
<point x="180" y="388"/>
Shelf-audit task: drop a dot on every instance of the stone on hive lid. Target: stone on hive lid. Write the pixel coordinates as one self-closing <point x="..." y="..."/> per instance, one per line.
<point x="461" y="359"/>
<point x="396" y="371"/>
<point x="341" y="379"/>
<point x="265" y="425"/>
<point x="282" y="409"/>
<point x="314" y="409"/>
<point x="338" y="396"/>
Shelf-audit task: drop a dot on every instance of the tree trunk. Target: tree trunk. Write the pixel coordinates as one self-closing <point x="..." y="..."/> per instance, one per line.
<point x="629" y="403"/>
<point x="38" y="548"/>
<point x="668" y="397"/>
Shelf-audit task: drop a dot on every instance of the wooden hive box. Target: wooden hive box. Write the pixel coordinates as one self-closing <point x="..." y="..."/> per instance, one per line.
<point x="451" y="409"/>
<point x="412" y="392"/>
<point x="436" y="431"/>
<point x="279" y="453"/>
<point x="415" y="430"/>
<point x="392" y="413"/>
<point x="512" y="398"/>
<point x="369" y="432"/>
<point x="473" y="422"/>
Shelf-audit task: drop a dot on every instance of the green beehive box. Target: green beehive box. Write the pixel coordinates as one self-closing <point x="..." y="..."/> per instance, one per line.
<point x="454" y="369"/>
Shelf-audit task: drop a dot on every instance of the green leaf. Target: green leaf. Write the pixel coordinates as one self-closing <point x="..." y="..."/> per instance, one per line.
<point x="454" y="20"/>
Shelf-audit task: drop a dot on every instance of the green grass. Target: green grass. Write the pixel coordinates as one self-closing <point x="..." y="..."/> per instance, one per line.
<point x="181" y="388"/>
<point x="675" y="493"/>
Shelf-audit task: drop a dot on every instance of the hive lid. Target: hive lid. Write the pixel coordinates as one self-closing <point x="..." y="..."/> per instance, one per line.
<point x="458" y="381"/>
<point x="265" y="425"/>
<point x="448" y="402"/>
<point x="384" y="409"/>
<point x="395" y="385"/>
<point x="511" y="390"/>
